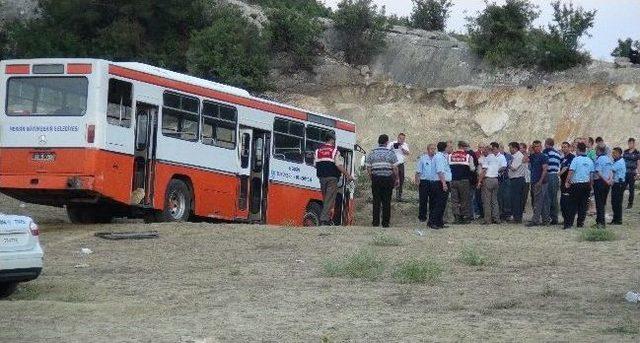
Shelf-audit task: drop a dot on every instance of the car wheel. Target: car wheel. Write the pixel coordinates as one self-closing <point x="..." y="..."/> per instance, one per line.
<point x="6" y="289"/>
<point x="177" y="202"/>
<point x="312" y="215"/>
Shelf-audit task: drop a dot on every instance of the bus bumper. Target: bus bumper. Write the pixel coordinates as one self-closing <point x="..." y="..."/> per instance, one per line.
<point x="46" y="182"/>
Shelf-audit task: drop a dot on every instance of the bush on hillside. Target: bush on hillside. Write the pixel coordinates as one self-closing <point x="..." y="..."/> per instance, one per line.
<point x="310" y="8"/>
<point x="150" y="31"/>
<point x="430" y="15"/>
<point x="361" y="26"/>
<point x="396" y="20"/>
<point x="624" y="48"/>
<point x="295" y="34"/>
<point x="504" y="36"/>
<point x="231" y="50"/>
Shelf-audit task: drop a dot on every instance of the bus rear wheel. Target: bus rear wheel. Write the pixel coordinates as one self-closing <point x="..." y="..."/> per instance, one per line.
<point x="177" y="202"/>
<point x="312" y="215"/>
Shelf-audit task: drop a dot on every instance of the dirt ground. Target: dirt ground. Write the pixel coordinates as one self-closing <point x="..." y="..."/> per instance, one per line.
<point x="202" y="282"/>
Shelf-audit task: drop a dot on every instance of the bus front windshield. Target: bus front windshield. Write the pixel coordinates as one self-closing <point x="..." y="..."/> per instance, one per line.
<point x="46" y="96"/>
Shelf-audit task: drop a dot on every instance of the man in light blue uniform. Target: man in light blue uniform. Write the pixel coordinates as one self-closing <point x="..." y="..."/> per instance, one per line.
<point x="579" y="182"/>
<point x="619" y="184"/>
<point x="425" y="172"/>
<point x="602" y="181"/>
<point x="439" y="188"/>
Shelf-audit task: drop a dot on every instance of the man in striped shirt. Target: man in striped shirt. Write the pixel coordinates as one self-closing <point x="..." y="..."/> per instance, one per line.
<point x="382" y="167"/>
<point x="555" y="160"/>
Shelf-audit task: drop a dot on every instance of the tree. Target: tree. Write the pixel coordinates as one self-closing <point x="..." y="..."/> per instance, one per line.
<point x="571" y="23"/>
<point x="296" y="34"/>
<point x="430" y="15"/>
<point x="361" y="27"/>
<point x="231" y="50"/>
<point x="624" y="48"/>
<point x="500" y="33"/>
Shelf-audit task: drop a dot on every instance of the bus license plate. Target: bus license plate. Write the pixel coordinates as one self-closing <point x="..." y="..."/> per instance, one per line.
<point x="44" y="156"/>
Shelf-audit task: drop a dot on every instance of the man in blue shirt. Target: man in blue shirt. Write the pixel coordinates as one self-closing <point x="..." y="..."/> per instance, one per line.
<point x="602" y="181"/>
<point x="538" y="164"/>
<point x="439" y="189"/>
<point x="553" y="182"/>
<point x="619" y="184"/>
<point x="425" y="172"/>
<point x="579" y="181"/>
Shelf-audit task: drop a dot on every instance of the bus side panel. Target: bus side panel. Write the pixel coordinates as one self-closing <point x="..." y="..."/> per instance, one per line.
<point x="215" y="192"/>
<point x="114" y="174"/>
<point x="286" y="204"/>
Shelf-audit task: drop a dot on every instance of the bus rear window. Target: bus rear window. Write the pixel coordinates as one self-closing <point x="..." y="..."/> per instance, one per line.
<point x="47" y="96"/>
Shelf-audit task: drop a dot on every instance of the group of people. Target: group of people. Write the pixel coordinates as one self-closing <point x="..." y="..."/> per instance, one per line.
<point x="494" y="182"/>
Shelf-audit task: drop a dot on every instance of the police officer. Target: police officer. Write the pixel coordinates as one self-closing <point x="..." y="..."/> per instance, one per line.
<point x="462" y="167"/>
<point x="565" y="195"/>
<point x="579" y="182"/>
<point x="602" y="181"/>
<point x="382" y="167"/>
<point x="439" y="189"/>
<point x="329" y="167"/>
<point x="619" y="184"/>
<point x="424" y="173"/>
<point x="631" y="157"/>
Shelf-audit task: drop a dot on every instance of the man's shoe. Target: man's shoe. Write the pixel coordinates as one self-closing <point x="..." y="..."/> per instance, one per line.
<point x="615" y="223"/>
<point x="434" y="227"/>
<point x="580" y="226"/>
<point x="553" y="222"/>
<point x="630" y="206"/>
<point x="567" y="227"/>
<point x="532" y="224"/>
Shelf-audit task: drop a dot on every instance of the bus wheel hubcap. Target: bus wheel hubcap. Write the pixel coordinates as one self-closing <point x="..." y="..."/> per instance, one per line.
<point x="177" y="205"/>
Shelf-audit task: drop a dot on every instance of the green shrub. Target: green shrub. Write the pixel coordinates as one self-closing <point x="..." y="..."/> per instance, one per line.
<point x="430" y="15"/>
<point x="361" y="27"/>
<point x="296" y="34"/>
<point x="418" y="271"/>
<point x="624" y="47"/>
<point x="395" y="20"/>
<point x="231" y="50"/>
<point x="471" y="256"/>
<point x="364" y="264"/>
<point x="311" y="8"/>
<point x="597" y="235"/>
<point x="383" y="240"/>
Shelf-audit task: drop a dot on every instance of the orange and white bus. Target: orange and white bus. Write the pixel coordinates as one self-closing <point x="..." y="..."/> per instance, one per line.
<point x="107" y="139"/>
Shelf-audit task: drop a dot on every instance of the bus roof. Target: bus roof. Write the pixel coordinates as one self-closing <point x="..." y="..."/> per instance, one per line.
<point x="234" y="92"/>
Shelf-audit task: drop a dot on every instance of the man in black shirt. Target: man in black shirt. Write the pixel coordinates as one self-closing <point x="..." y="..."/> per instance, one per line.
<point x="631" y="157"/>
<point x="565" y="195"/>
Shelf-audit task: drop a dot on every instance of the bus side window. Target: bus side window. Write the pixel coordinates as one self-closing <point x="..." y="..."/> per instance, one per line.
<point x="119" y="103"/>
<point x="244" y="151"/>
<point x="315" y="137"/>
<point x="288" y="140"/>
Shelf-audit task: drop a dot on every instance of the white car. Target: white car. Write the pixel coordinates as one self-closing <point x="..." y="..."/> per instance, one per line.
<point x="20" y="252"/>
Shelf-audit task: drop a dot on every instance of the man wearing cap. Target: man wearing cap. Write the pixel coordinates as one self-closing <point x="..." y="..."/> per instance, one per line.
<point x="329" y="168"/>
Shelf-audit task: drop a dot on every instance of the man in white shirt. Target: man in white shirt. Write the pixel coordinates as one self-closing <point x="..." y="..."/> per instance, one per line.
<point x="492" y="164"/>
<point x="517" y="173"/>
<point x="401" y="148"/>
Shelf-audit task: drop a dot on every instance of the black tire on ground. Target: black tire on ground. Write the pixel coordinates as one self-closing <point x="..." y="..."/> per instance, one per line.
<point x="6" y="289"/>
<point x="177" y="202"/>
<point x="89" y="214"/>
<point x="312" y="215"/>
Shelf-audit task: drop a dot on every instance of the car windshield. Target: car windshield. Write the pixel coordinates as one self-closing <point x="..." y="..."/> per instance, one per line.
<point x="47" y="96"/>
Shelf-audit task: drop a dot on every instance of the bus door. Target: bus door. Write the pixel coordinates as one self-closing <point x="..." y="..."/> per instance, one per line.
<point x="145" y="153"/>
<point x="254" y="166"/>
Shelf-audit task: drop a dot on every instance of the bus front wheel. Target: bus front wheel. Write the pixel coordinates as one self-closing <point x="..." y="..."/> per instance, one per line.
<point x="177" y="202"/>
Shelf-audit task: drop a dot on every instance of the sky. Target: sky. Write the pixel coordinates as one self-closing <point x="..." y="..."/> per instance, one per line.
<point x="615" y="19"/>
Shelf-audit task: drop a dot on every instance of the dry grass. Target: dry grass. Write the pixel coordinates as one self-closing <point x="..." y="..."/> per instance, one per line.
<point x="252" y="283"/>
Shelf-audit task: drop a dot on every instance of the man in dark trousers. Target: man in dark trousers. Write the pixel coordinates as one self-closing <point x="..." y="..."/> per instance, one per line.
<point x="602" y="181"/>
<point x="579" y="181"/>
<point x="631" y="157"/>
<point x="382" y="167"/>
<point x="462" y="166"/>
<point x="617" y="189"/>
<point x="538" y="164"/>
<point x="424" y="172"/>
<point x="565" y="195"/>
<point x="439" y="190"/>
<point x="329" y="168"/>
<point x="516" y="171"/>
